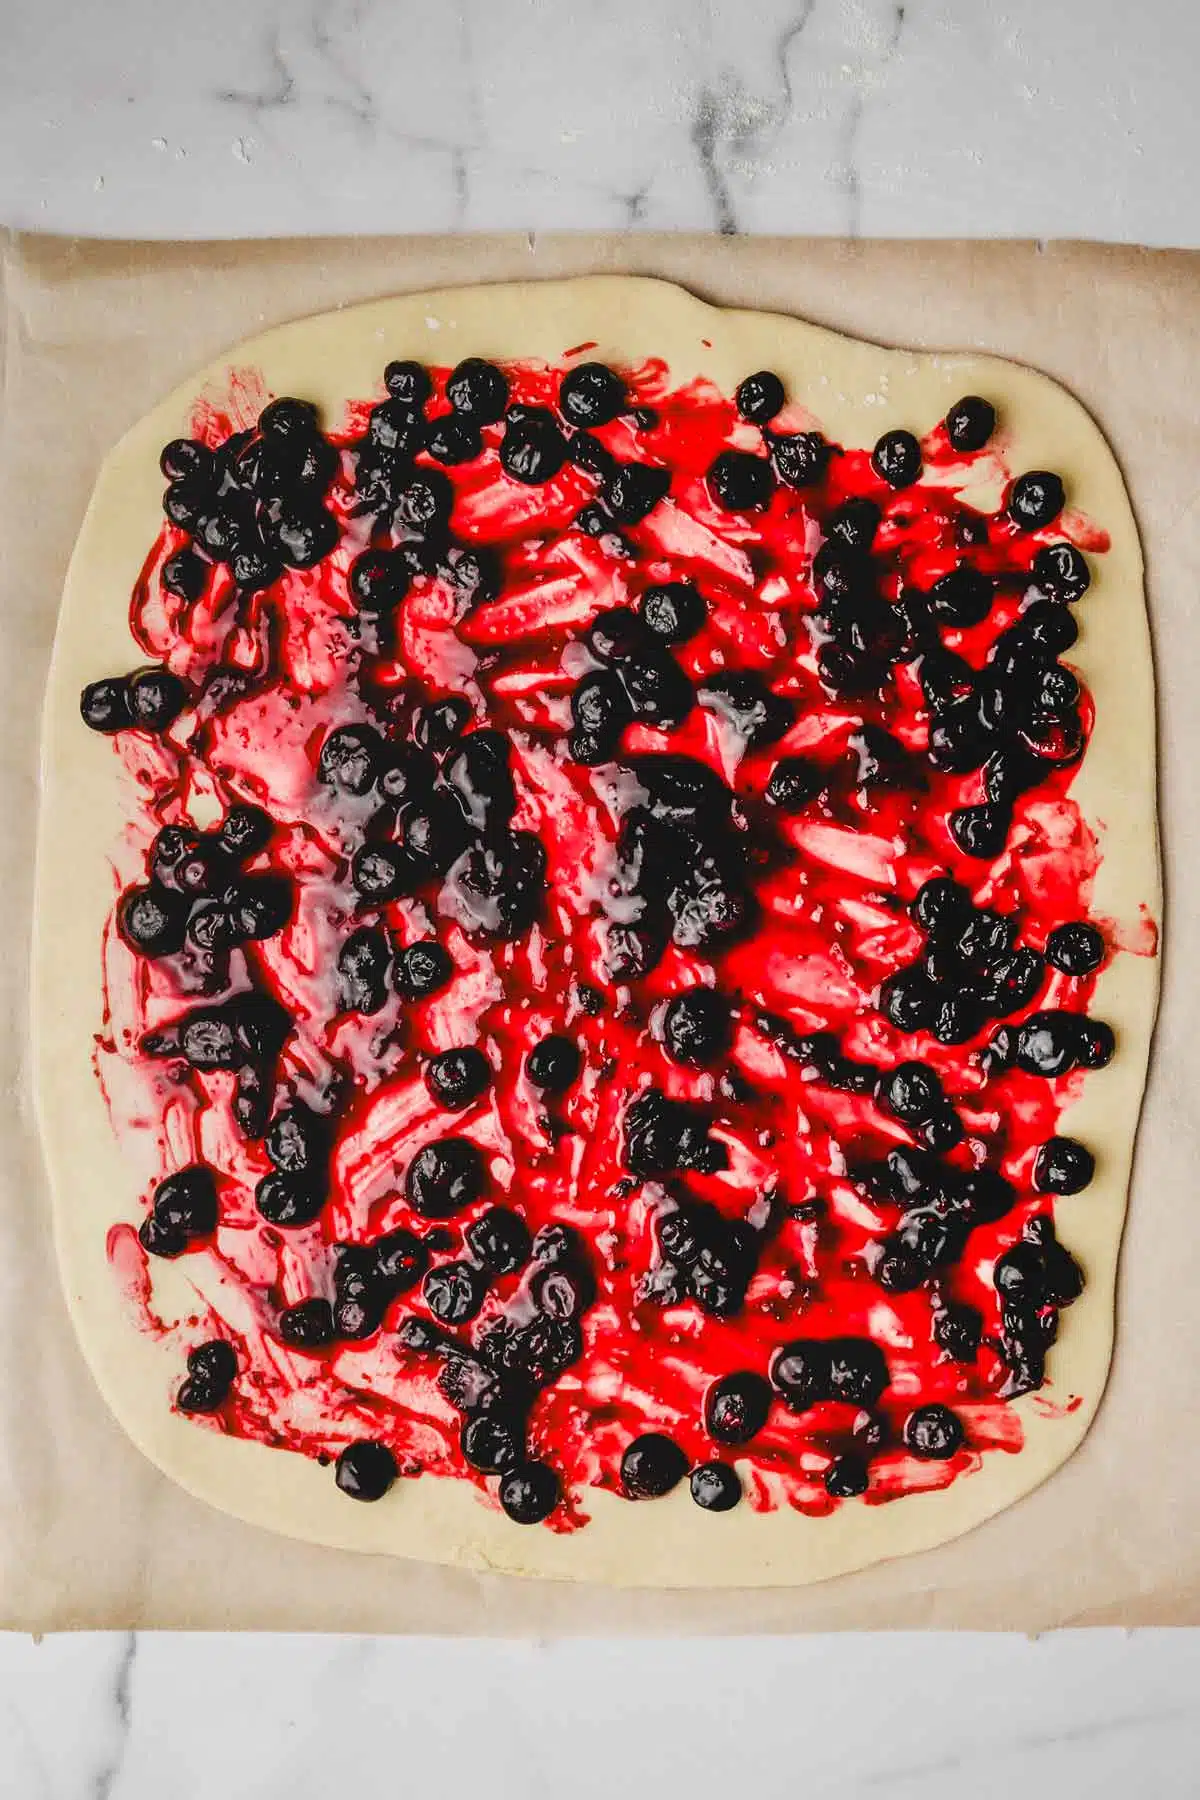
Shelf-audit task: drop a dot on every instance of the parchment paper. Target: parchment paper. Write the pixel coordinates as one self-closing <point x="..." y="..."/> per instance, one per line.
<point x="90" y="1534"/>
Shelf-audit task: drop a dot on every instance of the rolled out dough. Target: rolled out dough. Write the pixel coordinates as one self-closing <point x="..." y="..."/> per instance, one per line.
<point x="856" y="390"/>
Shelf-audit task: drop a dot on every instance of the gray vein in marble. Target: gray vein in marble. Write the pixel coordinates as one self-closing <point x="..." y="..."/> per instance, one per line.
<point x="278" y="90"/>
<point x="122" y="1692"/>
<point x="708" y="122"/>
<point x="848" y="173"/>
<point x="1086" y="1732"/>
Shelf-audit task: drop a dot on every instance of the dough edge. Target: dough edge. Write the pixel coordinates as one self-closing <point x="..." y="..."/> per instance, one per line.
<point x="856" y="390"/>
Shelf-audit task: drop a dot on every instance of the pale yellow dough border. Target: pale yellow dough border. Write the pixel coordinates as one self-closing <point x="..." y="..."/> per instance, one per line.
<point x="856" y="390"/>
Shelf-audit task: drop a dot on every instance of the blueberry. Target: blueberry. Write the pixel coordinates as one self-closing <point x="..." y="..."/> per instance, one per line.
<point x="909" y="1001"/>
<point x="290" y="1201"/>
<point x="478" y="389"/>
<point x="454" y="1292"/>
<point x="759" y="397"/>
<point x="957" y="1017"/>
<point x="941" y="1131"/>
<point x="801" y="1374"/>
<point x="1014" y="982"/>
<point x="435" y="830"/>
<point x="535" y="1354"/>
<point x="400" y="1260"/>
<point x="259" y="905"/>
<point x="958" y="741"/>
<point x="529" y="1492"/>
<point x="970" y="423"/>
<point x="741" y="482"/>
<point x="1097" y="1044"/>
<point x="911" y="1092"/>
<point x="244" y="831"/>
<point x="800" y="458"/>
<point x="453" y="440"/>
<point x="500" y="1240"/>
<point x="561" y="1293"/>
<point x="186" y="1202"/>
<point x="618" y="636"/>
<point x="422" y="969"/>
<point x="591" y="394"/>
<point x="662" y="1135"/>
<point x="185" y="575"/>
<point x="185" y="457"/>
<point x="736" y="1408"/>
<point x="498" y="886"/>
<point x="533" y="448"/>
<point x="439" y="725"/>
<point x="350" y="758"/>
<point x="600" y="707"/>
<point x="425" y="500"/>
<point x="1063" y="1166"/>
<point x="363" y="962"/>
<point x="854" y="523"/>
<point x="980" y="831"/>
<point x="308" y="1325"/>
<point x="794" y="781"/>
<point x="587" y="452"/>
<point x="360" y="1303"/>
<point x="104" y="705"/>
<point x="491" y="1443"/>
<point x="964" y="597"/>
<point x="673" y="610"/>
<point x="381" y="872"/>
<point x="212" y="1370"/>
<point x="1057" y="692"/>
<point x="378" y="581"/>
<point x="651" y="1466"/>
<point x="933" y="1433"/>
<point x="757" y="714"/>
<point x="1061" y="571"/>
<point x="1047" y="627"/>
<point x="946" y="680"/>
<point x="858" y="1371"/>
<point x="896" y="458"/>
<point x="881" y="760"/>
<point x="656" y="687"/>
<point x="1035" y="499"/>
<point x="457" y="1078"/>
<point x="365" y="1470"/>
<point x="1075" y="948"/>
<point x="632" y="491"/>
<point x="985" y="937"/>
<point x="152" y="920"/>
<point x="715" y="1486"/>
<point x="214" y="1363"/>
<point x="407" y="382"/>
<point x="846" y="1476"/>
<point x="421" y="1337"/>
<point x="303" y="539"/>
<point x="553" y="1064"/>
<point x="297" y="1141"/>
<point x="697" y="1027"/>
<point x="444" y="1177"/>
<point x="395" y="428"/>
<point x="186" y="501"/>
<point x="1047" y="1043"/>
<point x="958" y="1329"/>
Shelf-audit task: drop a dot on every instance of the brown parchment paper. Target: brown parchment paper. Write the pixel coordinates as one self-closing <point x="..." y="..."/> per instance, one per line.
<point x="91" y="1535"/>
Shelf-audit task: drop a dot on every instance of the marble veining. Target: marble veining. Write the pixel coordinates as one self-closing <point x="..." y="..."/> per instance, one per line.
<point x="1096" y="1714"/>
<point x="872" y="117"/>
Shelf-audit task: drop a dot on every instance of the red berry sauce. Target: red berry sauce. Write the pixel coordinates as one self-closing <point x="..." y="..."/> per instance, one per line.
<point x="799" y="1138"/>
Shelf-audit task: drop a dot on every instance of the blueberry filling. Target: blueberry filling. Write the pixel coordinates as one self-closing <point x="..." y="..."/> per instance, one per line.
<point x="419" y="802"/>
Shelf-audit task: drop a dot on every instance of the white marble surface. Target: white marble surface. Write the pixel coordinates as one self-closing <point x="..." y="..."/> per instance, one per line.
<point x="1081" y="1716"/>
<point x="1036" y="118"/>
<point x="1025" y="118"/>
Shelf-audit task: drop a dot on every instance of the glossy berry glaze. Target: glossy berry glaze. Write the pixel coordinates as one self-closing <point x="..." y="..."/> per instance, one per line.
<point x="722" y="1236"/>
